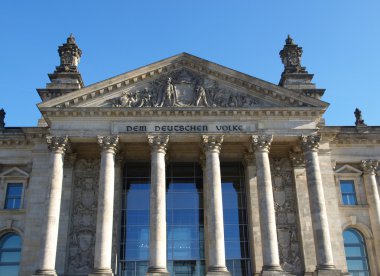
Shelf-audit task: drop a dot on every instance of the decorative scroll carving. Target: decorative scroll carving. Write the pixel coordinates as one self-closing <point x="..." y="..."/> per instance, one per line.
<point x="286" y="216"/>
<point x="108" y="142"/>
<point x="83" y="219"/>
<point x="212" y="142"/>
<point x="310" y="143"/>
<point x="297" y="159"/>
<point x="370" y="166"/>
<point x="184" y="88"/>
<point x="158" y="142"/>
<point x="58" y="143"/>
<point x="261" y="142"/>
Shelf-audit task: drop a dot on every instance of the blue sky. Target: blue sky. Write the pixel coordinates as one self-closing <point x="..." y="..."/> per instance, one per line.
<point x="340" y="40"/>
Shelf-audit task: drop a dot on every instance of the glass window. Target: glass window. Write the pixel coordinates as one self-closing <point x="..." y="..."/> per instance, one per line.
<point x="13" y="196"/>
<point x="235" y="220"/>
<point x="356" y="254"/>
<point x="347" y="188"/>
<point x="10" y="251"/>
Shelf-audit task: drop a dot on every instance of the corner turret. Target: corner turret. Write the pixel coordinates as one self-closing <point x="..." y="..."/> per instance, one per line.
<point x="66" y="77"/>
<point x="295" y="76"/>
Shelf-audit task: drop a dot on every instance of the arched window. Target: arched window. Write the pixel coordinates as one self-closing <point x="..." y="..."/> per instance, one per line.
<point x="356" y="253"/>
<point x="10" y="251"/>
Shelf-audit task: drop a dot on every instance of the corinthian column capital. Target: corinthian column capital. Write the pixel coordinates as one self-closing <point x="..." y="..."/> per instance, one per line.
<point x="158" y="142"/>
<point x="261" y="143"/>
<point x="212" y="142"/>
<point x="108" y="142"/>
<point x="58" y="144"/>
<point x="297" y="159"/>
<point x="310" y="142"/>
<point x="370" y="166"/>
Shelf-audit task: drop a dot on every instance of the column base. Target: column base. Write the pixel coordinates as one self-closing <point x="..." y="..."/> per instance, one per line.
<point x="217" y="271"/>
<point x="157" y="271"/>
<point x="45" y="272"/>
<point x="328" y="271"/>
<point x="274" y="270"/>
<point x="101" y="272"/>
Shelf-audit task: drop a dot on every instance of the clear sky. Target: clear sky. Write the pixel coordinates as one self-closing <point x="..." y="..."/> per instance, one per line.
<point x="340" y="40"/>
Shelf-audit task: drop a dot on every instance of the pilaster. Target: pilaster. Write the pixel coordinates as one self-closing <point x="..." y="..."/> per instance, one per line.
<point x="304" y="215"/>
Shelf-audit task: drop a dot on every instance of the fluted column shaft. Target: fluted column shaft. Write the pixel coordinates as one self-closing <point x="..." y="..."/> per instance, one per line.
<point x="214" y="207"/>
<point x="157" y="239"/>
<point x="369" y="169"/>
<point x="321" y="230"/>
<point x="271" y="261"/>
<point x="103" y="243"/>
<point x="50" y="227"/>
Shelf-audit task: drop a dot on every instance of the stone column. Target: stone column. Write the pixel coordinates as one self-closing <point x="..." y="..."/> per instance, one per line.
<point x="271" y="260"/>
<point x="304" y="215"/>
<point x="321" y="230"/>
<point x="214" y="207"/>
<point x="253" y="216"/>
<point x="104" y="221"/>
<point x="157" y="238"/>
<point x="48" y="249"/>
<point x="372" y="191"/>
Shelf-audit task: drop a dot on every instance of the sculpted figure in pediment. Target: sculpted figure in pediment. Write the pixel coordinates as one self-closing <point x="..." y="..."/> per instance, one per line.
<point x="184" y="88"/>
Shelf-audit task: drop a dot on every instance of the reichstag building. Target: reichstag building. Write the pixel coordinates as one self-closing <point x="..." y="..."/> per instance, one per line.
<point x="186" y="167"/>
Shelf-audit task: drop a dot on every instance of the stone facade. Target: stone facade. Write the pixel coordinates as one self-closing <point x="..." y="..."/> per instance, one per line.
<point x="186" y="109"/>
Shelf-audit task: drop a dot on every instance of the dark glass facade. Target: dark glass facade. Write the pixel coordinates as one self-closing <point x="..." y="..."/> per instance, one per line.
<point x="185" y="220"/>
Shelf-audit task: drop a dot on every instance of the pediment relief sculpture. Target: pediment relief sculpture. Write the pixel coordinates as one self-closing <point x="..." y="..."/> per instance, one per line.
<point x="183" y="88"/>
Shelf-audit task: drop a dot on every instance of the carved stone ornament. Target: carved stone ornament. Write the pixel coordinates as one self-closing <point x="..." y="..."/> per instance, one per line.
<point x="2" y="118"/>
<point x="184" y="88"/>
<point x="81" y="244"/>
<point x="297" y="159"/>
<point x="108" y="142"/>
<point x="291" y="57"/>
<point x="289" y="245"/>
<point x="69" y="54"/>
<point x="261" y="142"/>
<point x="158" y="142"/>
<point x="58" y="143"/>
<point x="370" y="166"/>
<point x="212" y="142"/>
<point x="359" y="118"/>
<point x="310" y="143"/>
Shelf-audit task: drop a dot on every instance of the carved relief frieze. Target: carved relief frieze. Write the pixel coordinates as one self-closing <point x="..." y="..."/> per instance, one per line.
<point x="184" y="88"/>
<point x="286" y="216"/>
<point x="83" y="219"/>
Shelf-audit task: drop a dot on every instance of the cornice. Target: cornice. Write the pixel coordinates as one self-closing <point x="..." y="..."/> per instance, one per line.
<point x="265" y="89"/>
<point x="282" y="113"/>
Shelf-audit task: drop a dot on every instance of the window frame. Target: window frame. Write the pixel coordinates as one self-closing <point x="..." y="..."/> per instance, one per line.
<point x="361" y="244"/>
<point x="349" y="173"/>
<point x="13" y="176"/>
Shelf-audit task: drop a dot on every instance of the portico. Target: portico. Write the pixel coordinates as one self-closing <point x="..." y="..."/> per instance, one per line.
<point x="159" y="211"/>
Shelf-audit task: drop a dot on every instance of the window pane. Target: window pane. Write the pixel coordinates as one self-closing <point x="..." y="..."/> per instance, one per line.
<point x="355" y="250"/>
<point x="10" y="251"/>
<point x="347" y="188"/>
<point x="13" y="196"/>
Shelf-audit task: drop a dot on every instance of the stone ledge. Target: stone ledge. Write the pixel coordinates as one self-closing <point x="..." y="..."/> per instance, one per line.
<point x="328" y="272"/>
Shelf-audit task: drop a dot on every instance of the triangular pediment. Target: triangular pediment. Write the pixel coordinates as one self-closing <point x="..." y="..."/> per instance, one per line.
<point x="347" y="169"/>
<point x="14" y="172"/>
<point x="184" y="81"/>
